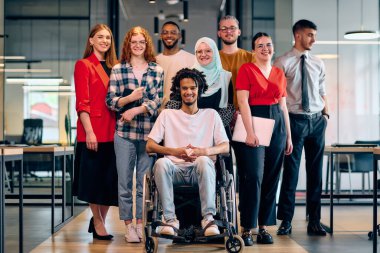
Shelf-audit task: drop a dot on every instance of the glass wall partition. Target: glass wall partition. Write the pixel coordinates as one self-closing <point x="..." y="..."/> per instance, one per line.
<point x="48" y="37"/>
<point x="45" y="39"/>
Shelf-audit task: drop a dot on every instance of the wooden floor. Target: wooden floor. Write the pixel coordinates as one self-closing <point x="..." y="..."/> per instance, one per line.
<point x="74" y="238"/>
<point x="351" y="227"/>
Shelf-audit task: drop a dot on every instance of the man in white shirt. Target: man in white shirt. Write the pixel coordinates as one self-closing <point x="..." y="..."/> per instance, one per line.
<point x="308" y="114"/>
<point x="192" y="137"/>
<point x="172" y="58"/>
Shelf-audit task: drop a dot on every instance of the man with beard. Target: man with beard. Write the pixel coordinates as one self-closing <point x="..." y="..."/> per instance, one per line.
<point x="308" y="114"/>
<point x="191" y="139"/>
<point x="172" y="58"/>
<point x="232" y="57"/>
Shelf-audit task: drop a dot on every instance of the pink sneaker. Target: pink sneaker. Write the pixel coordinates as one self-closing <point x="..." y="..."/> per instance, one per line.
<point x="139" y="230"/>
<point x="131" y="234"/>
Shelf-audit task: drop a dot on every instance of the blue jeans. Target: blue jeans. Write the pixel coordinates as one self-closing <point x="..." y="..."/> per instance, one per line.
<point x="202" y="172"/>
<point x="127" y="153"/>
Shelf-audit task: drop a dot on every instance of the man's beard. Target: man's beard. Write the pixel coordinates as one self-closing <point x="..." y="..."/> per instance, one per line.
<point x="229" y="42"/>
<point x="189" y="103"/>
<point x="170" y="46"/>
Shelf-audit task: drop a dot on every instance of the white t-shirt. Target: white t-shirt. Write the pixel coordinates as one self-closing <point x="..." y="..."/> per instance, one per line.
<point x="179" y="129"/>
<point x="171" y="64"/>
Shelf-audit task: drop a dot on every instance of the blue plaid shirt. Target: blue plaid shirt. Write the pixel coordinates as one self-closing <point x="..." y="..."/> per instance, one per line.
<point x="122" y="78"/>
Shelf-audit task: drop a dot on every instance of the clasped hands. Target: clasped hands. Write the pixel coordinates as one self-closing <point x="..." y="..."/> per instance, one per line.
<point x="190" y="153"/>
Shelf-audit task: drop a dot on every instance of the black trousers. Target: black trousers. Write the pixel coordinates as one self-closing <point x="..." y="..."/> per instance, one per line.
<point x="259" y="169"/>
<point x="308" y="133"/>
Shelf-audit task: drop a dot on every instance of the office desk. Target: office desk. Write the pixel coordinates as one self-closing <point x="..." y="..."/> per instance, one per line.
<point x="331" y="151"/>
<point x="11" y="155"/>
<point x="53" y="153"/>
<point x="69" y="168"/>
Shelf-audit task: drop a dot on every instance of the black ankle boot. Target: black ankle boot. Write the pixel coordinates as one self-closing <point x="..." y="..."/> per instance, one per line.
<point x="315" y="228"/>
<point x="247" y="237"/>
<point x="263" y="237"/>
<point x="285" y="228"/>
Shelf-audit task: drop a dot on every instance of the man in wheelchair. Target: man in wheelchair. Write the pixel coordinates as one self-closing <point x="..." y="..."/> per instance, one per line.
<point x="191" y="138"/>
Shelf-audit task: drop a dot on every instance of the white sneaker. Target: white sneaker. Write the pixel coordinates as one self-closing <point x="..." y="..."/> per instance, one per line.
<point x="166" y="230"/>
<point x="211" y="230"/>
<point x="139" y="230"/>
<point x="131" y="235"/>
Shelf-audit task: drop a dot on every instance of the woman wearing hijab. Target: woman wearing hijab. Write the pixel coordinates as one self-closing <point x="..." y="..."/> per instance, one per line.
<point x="218" y="96"/>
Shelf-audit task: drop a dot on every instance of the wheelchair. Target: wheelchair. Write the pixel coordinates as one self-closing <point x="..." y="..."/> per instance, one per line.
<point x="225" y="218"/>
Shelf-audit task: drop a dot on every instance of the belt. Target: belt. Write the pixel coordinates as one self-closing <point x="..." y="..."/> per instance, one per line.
<point x="305" y="116"/>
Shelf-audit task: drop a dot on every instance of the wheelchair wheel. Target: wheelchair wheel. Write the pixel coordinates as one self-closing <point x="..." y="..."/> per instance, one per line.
<point x="231" y="204"/>
<point x="235" y="244"/>
<point x="146" y="202"/>
<point x="151" y="244"/>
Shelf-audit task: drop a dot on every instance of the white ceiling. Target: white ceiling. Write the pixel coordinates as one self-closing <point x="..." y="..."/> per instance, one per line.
<point x="138" y="8"/>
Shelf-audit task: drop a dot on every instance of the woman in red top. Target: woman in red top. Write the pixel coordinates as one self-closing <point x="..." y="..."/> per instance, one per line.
<point x="95" y="162"/>
<point x="261" y="92"/>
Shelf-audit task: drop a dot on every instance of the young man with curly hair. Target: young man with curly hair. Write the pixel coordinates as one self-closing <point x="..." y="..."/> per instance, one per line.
<point x="192" y="137"/>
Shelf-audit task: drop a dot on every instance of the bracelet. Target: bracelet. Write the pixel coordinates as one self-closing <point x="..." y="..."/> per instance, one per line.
<point x="327" y="115"/>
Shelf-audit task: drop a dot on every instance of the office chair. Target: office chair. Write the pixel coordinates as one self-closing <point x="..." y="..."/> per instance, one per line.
<point x="356" y="163"/>
<point x="32" y="134"/>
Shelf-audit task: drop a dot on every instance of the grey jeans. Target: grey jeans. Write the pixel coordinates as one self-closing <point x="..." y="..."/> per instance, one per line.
<point x="202" y="172"/>
<point x="130" y="153"/>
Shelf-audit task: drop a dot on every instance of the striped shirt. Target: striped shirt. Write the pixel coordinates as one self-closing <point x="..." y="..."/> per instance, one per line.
<point x="122" y="78"/>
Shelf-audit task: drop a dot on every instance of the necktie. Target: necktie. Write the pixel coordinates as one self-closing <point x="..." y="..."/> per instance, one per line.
<point x="305" y="96"/>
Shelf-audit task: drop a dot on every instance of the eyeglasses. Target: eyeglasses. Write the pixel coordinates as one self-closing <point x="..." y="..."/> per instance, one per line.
<point x="174" y="33"/>
<point x="228" y="29"/>
<point x="207" y="51"/>
<point x="261" y="46"/>
<point x="141" y="42"/>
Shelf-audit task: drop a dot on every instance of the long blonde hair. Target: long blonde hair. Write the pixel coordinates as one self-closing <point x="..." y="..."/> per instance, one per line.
<point x="110" y="55"/>
<point x="149" y="50"/>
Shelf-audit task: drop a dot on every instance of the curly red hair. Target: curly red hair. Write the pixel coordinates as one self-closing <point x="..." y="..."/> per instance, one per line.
<point x="149" y="53"/>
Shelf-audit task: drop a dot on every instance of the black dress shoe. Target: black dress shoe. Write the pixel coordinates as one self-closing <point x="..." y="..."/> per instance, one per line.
<point x="285" y="228"/>
<point x="91" y="229"/>
<point x="247" y="238"/>
<point x="263" y="237"/>
<point x="315" y="228"/>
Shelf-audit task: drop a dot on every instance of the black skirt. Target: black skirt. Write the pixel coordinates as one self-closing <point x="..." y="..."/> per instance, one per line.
<point x="95" y="174"/>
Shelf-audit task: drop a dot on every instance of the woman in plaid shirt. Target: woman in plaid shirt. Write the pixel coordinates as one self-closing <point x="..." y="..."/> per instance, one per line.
<point x="135" y="93"/>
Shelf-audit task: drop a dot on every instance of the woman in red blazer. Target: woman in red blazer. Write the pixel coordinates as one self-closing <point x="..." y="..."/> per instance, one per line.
<point x="95" y="178"/>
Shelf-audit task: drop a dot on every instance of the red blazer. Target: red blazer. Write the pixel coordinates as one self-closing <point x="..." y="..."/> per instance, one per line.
<point x="91" y="86"/>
